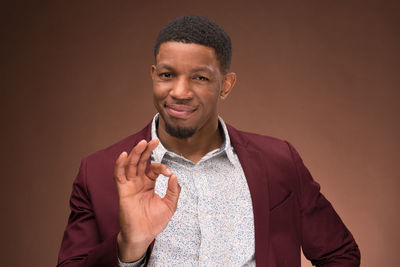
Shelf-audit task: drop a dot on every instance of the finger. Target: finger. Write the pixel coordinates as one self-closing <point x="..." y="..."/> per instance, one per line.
<point x="145" y="156"/>
<point x="119" y="170"/>
<point x="173" y="191"/>
<point x="133" y="159"/>
<point x="155" y="169"/>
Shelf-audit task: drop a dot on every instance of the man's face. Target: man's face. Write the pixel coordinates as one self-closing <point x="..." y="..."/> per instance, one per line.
<point x="187" y="84"/>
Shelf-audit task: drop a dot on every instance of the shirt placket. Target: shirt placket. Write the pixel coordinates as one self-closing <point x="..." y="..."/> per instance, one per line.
<point x="203" y="207"/>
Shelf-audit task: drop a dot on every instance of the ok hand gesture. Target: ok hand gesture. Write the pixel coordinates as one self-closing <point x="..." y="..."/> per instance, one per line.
<point x="142" y="213"/>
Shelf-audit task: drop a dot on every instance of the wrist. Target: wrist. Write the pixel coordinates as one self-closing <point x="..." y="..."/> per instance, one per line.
<point x="130" y="251"/>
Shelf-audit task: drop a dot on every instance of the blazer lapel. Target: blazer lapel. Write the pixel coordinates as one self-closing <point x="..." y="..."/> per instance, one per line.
<point x="256" y="175"/>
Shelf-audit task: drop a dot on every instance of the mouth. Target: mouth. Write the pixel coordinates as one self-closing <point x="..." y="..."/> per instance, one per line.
<point x="179" y="111"/>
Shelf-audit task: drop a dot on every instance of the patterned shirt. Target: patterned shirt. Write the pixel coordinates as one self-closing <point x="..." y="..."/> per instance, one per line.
<point x="213" y="224"/>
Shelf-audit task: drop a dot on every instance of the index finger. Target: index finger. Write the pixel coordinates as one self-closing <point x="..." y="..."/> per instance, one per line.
<point x="155" y="169"/>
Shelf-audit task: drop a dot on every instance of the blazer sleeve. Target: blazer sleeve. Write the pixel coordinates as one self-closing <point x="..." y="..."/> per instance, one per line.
<point x="82" y="244"/>
<point x="325" y="239"/>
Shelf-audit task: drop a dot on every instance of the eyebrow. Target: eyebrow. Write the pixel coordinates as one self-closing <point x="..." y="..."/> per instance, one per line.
<point x="205" y="69"/>
<point x="200" y="69"/>
<point x="164" y="66"/>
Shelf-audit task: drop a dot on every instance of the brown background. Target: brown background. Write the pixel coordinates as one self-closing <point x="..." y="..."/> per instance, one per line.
<point x="321" y="74"/>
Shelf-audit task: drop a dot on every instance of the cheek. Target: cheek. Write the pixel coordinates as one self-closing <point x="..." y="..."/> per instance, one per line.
<point x="159" y="92"/>
<point x="210" y="96"/>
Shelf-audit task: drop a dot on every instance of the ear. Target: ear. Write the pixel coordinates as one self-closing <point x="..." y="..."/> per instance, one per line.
<point x="228" y="83"/>
<point x="152" y="71"/>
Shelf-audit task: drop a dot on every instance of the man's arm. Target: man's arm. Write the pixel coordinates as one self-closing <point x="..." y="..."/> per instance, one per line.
<point x="325" y="239"/>
<point x="81" y="244"/>
<point x="142" y="213"/>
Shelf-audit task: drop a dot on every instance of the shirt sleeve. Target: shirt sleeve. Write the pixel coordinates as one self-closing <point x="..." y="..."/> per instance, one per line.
<point x="139" y="263"/>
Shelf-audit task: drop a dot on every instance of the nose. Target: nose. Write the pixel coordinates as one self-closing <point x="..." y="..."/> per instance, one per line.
<point x="181" y="89"/>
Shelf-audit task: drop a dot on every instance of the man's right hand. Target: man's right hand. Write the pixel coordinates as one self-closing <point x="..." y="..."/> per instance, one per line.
<point x="142" y="213"/>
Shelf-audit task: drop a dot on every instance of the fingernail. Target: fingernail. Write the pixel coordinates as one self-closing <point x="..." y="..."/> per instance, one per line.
<point x="141" y="141"/>
<point x="168" y="171"/>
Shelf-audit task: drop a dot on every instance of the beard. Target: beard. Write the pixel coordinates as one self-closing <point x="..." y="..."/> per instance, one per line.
<point x="179" y="132"/>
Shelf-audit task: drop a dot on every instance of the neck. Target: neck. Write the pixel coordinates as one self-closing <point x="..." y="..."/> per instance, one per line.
<point x="195" y="147"/>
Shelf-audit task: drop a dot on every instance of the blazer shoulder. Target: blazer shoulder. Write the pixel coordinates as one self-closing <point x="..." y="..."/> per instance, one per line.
<point x="113" y="151"/>
<point x="265" y="144"/>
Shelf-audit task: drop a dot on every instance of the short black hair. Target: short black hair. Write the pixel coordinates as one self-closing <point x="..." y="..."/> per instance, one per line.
<point x="198" y="30"/>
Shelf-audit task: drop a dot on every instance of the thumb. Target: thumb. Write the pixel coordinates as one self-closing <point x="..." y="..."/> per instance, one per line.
<point x="172" y="195"/>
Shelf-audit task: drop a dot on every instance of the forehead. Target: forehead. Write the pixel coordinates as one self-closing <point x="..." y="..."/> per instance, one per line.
<point x="183" y="55"/>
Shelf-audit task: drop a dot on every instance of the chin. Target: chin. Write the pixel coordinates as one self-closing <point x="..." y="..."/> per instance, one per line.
<point x="176" y="127"/>
<point x="179" y="131"/>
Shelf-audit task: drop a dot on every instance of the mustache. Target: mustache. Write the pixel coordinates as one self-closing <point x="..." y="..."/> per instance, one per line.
<point x="181" y="107"/>
<point x="185" y="102"/>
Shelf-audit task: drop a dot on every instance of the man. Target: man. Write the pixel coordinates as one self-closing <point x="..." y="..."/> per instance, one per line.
<point x="190" y="190"/>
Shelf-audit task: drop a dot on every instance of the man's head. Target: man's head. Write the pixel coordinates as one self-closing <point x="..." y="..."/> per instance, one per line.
<point x="190" y="75"/>
<point x="198" y="30"/>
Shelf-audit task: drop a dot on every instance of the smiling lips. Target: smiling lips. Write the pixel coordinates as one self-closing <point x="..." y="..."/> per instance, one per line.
<point x="179" y="110"/>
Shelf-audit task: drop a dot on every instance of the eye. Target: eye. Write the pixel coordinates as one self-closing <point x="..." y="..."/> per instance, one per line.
<point x="165" y="75"/>
<point x="201" y="78"/>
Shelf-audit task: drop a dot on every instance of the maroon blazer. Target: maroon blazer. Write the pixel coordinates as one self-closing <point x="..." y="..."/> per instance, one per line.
<point x="289" y="210"/>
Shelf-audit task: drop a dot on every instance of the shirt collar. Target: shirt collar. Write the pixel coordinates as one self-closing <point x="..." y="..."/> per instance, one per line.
<point x="160" y="150"/>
